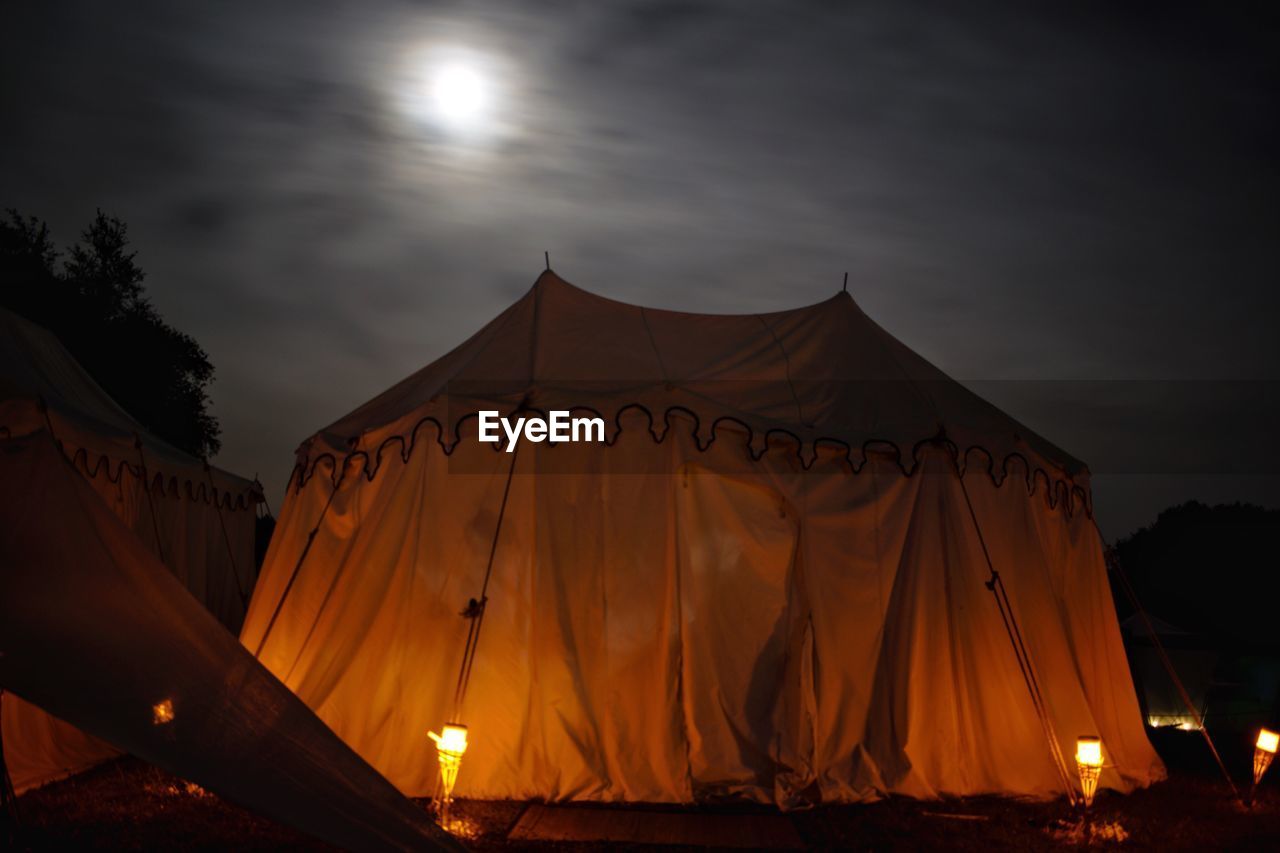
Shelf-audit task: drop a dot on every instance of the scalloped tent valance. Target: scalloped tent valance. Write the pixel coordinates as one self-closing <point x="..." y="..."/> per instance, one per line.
<point x="43" y="387"/>
<point x="822" y="378"/>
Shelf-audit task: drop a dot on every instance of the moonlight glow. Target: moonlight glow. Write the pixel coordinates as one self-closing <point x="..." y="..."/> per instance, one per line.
<point x="451" y="90"/>
<point x="457" y="93"/>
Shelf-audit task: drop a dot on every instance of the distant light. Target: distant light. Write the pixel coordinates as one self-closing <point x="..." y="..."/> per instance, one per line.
<point x="1180" y="721"/>
<point x="162" y="712"/>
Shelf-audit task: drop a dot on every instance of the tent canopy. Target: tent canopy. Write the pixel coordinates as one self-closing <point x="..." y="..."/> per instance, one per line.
<point x="822" y="376"/>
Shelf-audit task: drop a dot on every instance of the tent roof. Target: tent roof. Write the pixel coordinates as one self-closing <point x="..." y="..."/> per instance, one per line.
<point x="36" y="368"/>
<point x="1137" y="627"/>
<point x="824" y="374"/>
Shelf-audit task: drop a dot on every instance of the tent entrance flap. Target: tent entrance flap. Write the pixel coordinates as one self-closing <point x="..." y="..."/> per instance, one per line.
<point x="738" y="542"/>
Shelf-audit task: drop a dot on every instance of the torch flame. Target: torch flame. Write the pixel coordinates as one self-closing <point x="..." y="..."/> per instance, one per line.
<point x="1268" y="741"/>
<point x="452" y="739"/>
<point x="1089" y="751"/>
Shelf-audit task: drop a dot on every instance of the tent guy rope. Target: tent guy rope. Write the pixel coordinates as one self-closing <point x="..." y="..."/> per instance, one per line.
<point x="475" y="607"/>
<point x="997" y="588"/>
<point x="306" y="549"/>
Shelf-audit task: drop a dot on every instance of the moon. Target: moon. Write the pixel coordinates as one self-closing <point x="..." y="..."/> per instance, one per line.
<point x="458" y="95"/>
<point x="453" y="97"/>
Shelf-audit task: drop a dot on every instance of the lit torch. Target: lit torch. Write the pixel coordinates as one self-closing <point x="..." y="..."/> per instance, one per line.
<point x="1089" y="763"/>
<point x="451" y="743"/>
<point x="1263" y="751"/>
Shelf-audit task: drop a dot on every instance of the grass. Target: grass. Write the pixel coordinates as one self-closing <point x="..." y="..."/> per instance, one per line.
<point x="126" y="804"/>
<point x="129" y="805"/>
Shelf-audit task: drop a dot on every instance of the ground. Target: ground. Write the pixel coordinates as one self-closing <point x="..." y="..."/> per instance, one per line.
<point x="129" y="805"/>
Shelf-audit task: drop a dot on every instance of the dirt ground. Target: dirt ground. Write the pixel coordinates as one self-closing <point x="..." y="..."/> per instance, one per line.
<point x="129" y="805"/>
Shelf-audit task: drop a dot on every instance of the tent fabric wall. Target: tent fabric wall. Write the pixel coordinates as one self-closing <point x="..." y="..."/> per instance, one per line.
<point x="198" y="519"/>
<point x="659" y="630"/>
<point x="208" y="547"/>
<point x="95" y="629"/>
<point x="39" y="748"/>
<point x="767" y="584"/>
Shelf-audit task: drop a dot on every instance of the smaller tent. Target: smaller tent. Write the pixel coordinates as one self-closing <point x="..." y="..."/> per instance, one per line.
<point x="94" y="629"/>
<point x="1193" y="660"/>
<point x="199" y="520"/>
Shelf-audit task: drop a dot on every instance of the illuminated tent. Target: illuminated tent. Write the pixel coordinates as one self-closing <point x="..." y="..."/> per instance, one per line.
<point x="1193" y="658"/>
<point x="95" y="629"/>
<point x="198" y="519"/>
<point x="770" y="582"/>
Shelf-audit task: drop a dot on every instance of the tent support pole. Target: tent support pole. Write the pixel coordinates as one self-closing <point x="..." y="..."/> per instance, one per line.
<point x="997" y="588"/>
<point x="231" y="555"/>
<point x="1113" y="562"/>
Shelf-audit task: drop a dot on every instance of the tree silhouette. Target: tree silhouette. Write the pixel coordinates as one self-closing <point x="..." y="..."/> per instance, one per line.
<point x="1209" y="570"/>
<point x="97" y="305"/>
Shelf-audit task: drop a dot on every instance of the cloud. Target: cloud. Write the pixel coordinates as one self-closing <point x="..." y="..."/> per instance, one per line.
<point x="1017" y="194"/>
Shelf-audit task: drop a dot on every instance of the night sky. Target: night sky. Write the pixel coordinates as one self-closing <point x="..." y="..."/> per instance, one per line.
<point x="1075" y="208"/>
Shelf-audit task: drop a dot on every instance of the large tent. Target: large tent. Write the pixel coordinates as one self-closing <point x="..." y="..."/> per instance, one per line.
<point x="806" y="565"/>
<point x="198" y="519"/>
